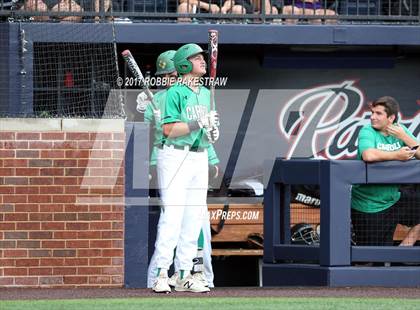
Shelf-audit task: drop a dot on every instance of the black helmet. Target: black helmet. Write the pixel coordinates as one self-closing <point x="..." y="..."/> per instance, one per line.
<point x="304" y="233"/>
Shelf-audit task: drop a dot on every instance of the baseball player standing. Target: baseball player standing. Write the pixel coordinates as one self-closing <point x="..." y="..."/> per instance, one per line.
<point x="189" y="127"/>
<point x="202" y="266"/>
<point x="152" y="115"/>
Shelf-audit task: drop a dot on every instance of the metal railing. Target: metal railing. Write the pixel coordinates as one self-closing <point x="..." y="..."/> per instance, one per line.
<point x="216" y="11"/>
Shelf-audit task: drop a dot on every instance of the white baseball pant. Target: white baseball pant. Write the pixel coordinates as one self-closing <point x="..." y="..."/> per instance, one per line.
<point x="208" y="269"/>
<point x="183" y="182"/>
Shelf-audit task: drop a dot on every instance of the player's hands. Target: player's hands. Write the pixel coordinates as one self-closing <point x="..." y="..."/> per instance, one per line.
<point x="214" y="120"/>
<point x="204" y="121"/>
<point x="396" y="131"/>
<point x="142" y="102"/>
<point x="209" y="120"/>
<point x="213" y="134"/>
<point x="405" y="153"/>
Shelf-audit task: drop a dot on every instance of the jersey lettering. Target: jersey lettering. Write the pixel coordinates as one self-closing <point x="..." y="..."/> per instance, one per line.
<point x="389" y="147"/>
<point x="195" y="112"/>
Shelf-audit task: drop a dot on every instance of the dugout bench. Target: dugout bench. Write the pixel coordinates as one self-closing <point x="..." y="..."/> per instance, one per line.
<point x="332" y="262"/>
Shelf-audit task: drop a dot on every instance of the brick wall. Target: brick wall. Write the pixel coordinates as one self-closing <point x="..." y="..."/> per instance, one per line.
<point x="61" y="203"/>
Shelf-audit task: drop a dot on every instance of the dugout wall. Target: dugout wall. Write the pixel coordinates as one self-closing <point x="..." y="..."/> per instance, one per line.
<point x="332" y="261"/>
<point x="62" y="202"/>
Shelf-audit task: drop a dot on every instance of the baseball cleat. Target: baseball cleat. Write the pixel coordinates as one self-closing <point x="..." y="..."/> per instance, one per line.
<point x="199" y="276"/>
<point x="161" y="285"/>
<point x="172" y="280"/>
<point x="189" y="284"/>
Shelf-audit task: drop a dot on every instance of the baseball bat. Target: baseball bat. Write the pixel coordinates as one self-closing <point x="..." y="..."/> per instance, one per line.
<point x="213" y="51"/>
<point x="135" y="70"/>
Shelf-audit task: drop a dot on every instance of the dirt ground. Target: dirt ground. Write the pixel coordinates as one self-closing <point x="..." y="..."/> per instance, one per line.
<point x="45" y="293"/>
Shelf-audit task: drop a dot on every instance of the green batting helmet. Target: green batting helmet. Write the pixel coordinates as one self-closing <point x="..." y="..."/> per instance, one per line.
<point x="182" y="64"/>
<point x="165" y="63"/>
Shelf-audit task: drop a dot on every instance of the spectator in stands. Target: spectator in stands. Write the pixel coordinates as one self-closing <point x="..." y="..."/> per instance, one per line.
<point x="53" y="6"/>
<point x="248" y="7"/>
<point x="197" y="6"/>
<point x="226" y="7"/>
<point x="307" y="7"/>
<point x="100" y="6"/>
<point x="65" y="6"/>
<point x="377" y="209"/>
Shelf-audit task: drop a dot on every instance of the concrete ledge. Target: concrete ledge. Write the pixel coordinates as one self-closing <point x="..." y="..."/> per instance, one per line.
<point x="30" y="124"/>
<point x="57" y="124"/>
<point x="93" y="125"/>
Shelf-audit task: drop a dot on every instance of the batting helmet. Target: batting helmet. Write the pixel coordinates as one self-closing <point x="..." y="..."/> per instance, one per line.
<point x="182" y="64"/>
<point x="304" y="233"/>
<point x="165" y="63"/>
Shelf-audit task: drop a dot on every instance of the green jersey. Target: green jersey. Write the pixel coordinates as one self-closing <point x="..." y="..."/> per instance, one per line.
<point x="152" y="116"/>
<point x="375" y="198"/>
<point x="185" y="105"/>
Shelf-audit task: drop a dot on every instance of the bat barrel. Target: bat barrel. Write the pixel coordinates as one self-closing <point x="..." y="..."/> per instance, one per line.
<point x="135" y="70"/>
<point x="213" y="51"/>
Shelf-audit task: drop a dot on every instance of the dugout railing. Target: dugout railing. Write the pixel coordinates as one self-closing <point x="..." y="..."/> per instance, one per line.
<point x="258" y="11"/>
<point x="332" y="262"/>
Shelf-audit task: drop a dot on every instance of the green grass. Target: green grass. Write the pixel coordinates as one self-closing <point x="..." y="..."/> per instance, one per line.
<point x="214" y="303"/>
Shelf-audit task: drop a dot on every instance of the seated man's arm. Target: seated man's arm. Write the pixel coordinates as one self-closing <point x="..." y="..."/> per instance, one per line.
<point x="374" y="155"/>
<point x="369" y="152"/>
<point x="402" y="133"/>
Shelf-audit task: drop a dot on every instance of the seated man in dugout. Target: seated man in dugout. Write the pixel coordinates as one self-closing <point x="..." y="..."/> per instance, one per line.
<point x="307" y="7"/>
<point x="56" y="6"/>
<point x="378" y="208"/>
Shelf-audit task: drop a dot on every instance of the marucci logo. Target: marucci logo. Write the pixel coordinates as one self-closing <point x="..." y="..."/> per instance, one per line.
<point x="308" y="199"/>
<point x="324" y="122"/>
